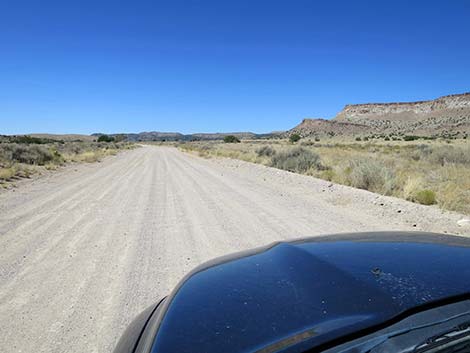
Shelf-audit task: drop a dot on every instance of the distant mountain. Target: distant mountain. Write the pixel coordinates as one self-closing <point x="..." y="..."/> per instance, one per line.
<point x="444" y="116"/>
<point x="220" y="136"/>
<point x="64" y="137"/>
<point x="154" y="136"/>
<point x="176" y="136"/>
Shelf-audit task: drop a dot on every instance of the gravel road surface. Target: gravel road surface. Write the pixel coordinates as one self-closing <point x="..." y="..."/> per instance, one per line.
<point x="85" y="249"/>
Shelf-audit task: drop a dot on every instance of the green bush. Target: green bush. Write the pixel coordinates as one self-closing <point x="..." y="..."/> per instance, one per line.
<point x="425" y="197"/>
<point x="358" y="139"/>
<point x="265" y="151"/>
<point x="105" y="138"/>
<point x="294" y="138"/>
<point x="298" y="160"/>
<point x="372" y="175"/>
<point x="231" y="139"/>
<point x="410" y="138"/>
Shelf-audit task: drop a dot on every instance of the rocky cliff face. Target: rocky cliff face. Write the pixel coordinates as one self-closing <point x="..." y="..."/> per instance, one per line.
<point x="457" y="104"/>
<point x="444" y="115"/>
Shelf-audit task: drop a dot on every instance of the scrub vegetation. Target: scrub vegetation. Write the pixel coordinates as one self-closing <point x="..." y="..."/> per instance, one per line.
<point x="23" y="156"/>
<point x="426" y="172"/>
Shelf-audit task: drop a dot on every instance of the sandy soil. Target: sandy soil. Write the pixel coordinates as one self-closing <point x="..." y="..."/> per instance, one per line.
<point x="85" y="249"/>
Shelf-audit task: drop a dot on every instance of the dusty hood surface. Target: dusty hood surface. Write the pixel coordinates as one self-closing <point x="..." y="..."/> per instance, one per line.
<point x="300" y="295"/>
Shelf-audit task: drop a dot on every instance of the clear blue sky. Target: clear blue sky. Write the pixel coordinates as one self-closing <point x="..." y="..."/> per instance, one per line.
<point x="242" y="65"/>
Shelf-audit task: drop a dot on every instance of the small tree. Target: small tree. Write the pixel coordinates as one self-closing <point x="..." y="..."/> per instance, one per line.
<point x="105" y="138"/>
<point x="231" y="139"/>
<point x="294" y="138"/>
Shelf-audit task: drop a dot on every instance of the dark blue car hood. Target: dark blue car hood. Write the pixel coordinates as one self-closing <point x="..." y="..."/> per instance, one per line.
<point x="305" y="294"/>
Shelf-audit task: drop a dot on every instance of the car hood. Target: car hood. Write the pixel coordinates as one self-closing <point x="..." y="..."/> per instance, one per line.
<point x="305" y="294"/>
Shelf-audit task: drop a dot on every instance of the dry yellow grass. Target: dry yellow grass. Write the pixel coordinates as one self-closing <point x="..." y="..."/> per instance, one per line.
<point x="7" y="173"/>
<point x="414" y="170"/>
<point x="21" y="160"/>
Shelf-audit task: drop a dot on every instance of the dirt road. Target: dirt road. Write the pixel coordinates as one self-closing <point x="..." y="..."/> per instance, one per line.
<point x="85" y="249"/>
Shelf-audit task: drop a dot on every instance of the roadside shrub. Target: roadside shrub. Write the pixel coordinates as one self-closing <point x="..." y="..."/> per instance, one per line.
<point x="265" y="151"/>
<point x="420" y="152"/>
<point x="425" y="197"/>
<point x="372" y="175"/>
<point x="231" y="139"/>
<point x="449" y="154"/>
<point x="294" y="138"/>
<point x="29" y="154"/>
<point x="410" y="138"/>
<point x="297" y="159"/>
<point x="358" y="139"/>
<point x="72" y="148"/>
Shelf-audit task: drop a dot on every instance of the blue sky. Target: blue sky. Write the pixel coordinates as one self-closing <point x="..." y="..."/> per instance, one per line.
<point x="207" y="66"/>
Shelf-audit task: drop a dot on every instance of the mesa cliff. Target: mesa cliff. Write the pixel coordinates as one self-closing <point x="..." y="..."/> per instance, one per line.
<point x="444" y="116"/>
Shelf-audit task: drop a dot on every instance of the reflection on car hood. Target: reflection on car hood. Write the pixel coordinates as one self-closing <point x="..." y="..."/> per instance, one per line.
<point x="299" y="295"/>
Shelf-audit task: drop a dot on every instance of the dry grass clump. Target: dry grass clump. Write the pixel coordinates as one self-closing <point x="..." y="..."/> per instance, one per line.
<point x="265" y="151"/>
<point x="370" y="174"/>
<point x="14" y="171"/>
<point x="412" y="186"/>
<point x="415" y="190"/>
<point x="298" y="159"/>
<point x="7" y="173"/>
<point x="202" y="149"/>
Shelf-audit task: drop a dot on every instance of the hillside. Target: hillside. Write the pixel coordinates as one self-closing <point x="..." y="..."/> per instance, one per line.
<point x="322" y="127"/>
<point x="445" y="116"/>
